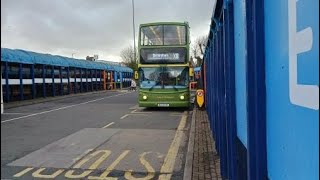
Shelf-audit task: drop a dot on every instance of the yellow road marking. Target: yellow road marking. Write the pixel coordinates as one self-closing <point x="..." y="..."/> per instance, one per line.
<point x="82" y="155"/>
<point x="70" y="174"/>
<point x="97" y="162"/>
<point x="183" y="121"/>
<point x="38" y="174"/>
<point x="110" y="168"/>
<point x="150" y="170"/>
<point x="22" y="172"/>
<point x="170" y="159"/>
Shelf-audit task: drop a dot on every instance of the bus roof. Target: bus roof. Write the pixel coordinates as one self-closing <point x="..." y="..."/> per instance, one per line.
<point x="164" y="23"/>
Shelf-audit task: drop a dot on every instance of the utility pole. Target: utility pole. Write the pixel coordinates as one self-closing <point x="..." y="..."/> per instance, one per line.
<point x="134" y="33"/>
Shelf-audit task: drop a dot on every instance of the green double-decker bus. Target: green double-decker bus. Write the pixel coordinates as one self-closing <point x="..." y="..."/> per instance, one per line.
<point x="164" y="64"/>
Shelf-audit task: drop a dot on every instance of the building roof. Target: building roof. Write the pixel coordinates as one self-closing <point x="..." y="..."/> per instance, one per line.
<point x="30" y="57"/>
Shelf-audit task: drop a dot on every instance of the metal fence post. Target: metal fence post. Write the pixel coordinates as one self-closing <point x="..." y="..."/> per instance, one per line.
<point x="256" y="107"/>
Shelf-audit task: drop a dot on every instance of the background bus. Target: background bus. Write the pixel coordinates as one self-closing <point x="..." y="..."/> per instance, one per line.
<point x="164" y="65"/>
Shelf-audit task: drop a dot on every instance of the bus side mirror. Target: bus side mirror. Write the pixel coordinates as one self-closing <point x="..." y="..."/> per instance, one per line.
<point x="136" y="76"/>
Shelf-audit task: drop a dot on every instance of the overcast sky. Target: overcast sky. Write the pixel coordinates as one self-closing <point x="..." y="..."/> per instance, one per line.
<point x="88" y="27"/>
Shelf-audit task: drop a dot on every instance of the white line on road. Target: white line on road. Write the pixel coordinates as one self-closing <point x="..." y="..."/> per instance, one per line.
<point x="124" y="116"/>
<point x="134" y="107"/>
<point x="66" y="107"/>
<point x="108" y="125"/>
<point x="140" y="112"/>
<point x="15" y="113"/>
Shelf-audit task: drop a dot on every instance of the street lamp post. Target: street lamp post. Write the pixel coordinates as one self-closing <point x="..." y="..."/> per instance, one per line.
<point x="134" y="33"/>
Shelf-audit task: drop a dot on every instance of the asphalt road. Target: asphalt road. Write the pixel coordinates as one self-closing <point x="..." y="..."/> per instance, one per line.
<point x="93" y="136"/>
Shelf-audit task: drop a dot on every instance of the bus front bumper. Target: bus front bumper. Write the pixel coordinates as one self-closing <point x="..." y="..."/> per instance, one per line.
<point x="164" y="104"/>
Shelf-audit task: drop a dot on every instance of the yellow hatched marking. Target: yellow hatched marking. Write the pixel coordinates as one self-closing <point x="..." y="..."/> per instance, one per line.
<point x="170" y="159"/>
<point x="110" y="168"/>
<point x="38" y="174"/>
<point x="22" y="172"/>
<point x="145" y="163"/>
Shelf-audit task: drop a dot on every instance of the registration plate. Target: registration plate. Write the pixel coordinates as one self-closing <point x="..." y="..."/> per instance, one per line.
<point x="163" y="105"/>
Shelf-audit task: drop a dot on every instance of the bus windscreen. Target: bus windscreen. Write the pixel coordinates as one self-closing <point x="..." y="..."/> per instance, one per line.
<point x="163" y="35"/>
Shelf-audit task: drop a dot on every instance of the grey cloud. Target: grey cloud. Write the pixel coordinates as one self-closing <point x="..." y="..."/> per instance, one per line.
<point x="89" y="26"/>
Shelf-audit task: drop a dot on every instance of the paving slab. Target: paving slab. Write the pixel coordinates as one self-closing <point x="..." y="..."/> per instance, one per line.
<point x="203" y="161"/>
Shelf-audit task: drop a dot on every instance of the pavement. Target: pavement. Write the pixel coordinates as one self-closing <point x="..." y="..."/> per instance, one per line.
<point x="202" y="161"/>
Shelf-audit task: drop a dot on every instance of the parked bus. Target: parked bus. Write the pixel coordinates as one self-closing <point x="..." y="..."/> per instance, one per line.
<point x="164" y="64"/>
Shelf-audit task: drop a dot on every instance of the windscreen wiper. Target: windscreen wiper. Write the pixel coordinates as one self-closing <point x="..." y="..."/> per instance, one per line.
<point x="153" y="86"/>
<point x="174" y="87"/>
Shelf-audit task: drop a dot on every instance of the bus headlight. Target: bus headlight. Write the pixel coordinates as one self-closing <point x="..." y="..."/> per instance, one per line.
<point x="144" y="97"/>
<point x="182" y="97"/>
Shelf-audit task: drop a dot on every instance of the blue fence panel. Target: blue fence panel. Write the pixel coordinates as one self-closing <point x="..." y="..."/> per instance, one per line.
<point x="240" y="69"/>
<point x="273" y="82"/>
<point x="230" y="90"/>
<point x="292" y="81"/>
<point x="256" y="132"/>
<point x="221" y="101"/>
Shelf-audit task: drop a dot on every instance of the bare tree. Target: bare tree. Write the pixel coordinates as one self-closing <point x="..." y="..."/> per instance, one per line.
<point x="128" y="58"/>
<point x="198" y="47"/>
